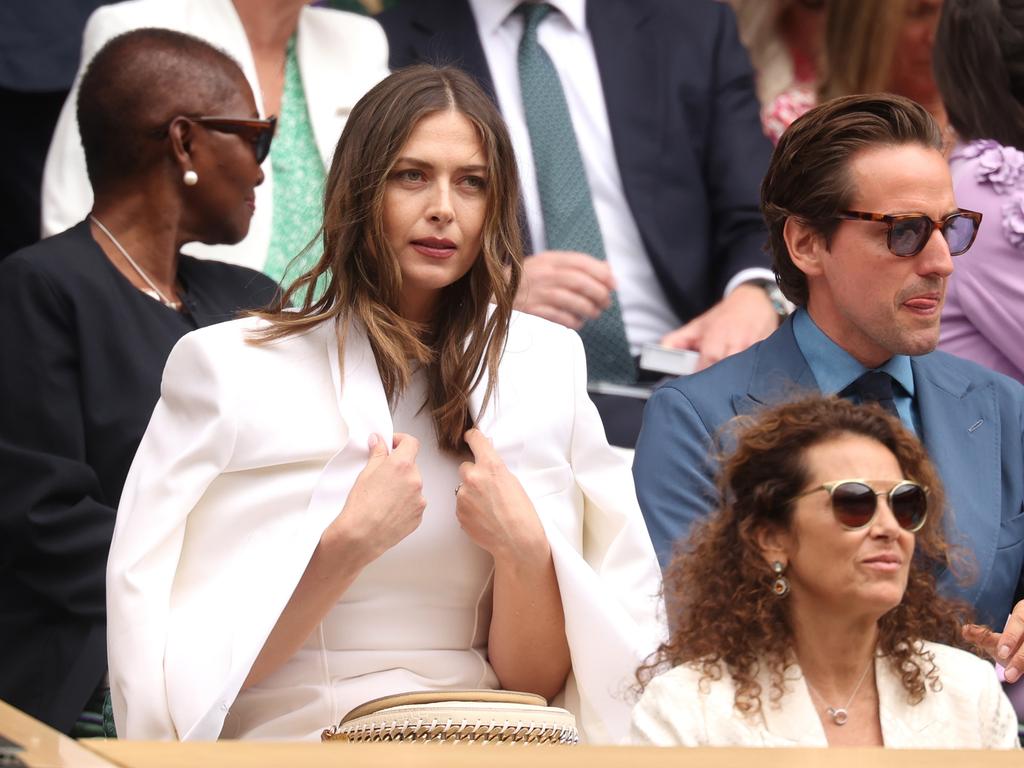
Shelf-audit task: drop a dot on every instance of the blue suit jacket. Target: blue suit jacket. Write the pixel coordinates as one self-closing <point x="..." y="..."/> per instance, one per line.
<point x="679" y="91"/>
<point x="972" y="423"/>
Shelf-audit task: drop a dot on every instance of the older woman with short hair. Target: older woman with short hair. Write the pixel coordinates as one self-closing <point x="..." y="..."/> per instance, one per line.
<point x="805" y="610"/>
<point x="173" y="144"/>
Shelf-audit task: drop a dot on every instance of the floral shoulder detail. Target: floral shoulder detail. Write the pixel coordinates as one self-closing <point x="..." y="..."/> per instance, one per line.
<point x="1003" y="169"/>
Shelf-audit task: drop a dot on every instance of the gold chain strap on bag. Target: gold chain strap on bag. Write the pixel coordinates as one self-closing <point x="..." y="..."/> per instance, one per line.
<point x="481" y="716"/>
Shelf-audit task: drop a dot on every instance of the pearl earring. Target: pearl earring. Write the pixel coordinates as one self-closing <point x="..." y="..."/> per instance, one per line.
<point x="191" y="178"/>
<point x="781" y="584"/>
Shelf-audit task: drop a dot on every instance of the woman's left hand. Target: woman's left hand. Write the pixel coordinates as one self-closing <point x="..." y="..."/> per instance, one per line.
<point x="494" y="510"/>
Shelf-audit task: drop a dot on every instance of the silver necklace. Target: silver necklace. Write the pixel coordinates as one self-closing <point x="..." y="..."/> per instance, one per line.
<point x="841" y="714"/>
<point x="159" y="294"/>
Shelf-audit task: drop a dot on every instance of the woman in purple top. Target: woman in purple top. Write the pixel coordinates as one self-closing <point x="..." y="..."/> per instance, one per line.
<point x="979" y="68"/>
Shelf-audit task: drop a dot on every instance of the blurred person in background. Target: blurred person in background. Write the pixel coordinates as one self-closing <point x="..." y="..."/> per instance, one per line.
<point x="979" y="67"/>
<point x="785" y="40"/>
<point x="89" y="317"/>
<point x="873" y="46"/>
<point x="307" y="66"/>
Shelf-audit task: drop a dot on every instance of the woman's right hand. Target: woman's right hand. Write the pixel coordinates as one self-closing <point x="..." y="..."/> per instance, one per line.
<point x="385" y="504"/>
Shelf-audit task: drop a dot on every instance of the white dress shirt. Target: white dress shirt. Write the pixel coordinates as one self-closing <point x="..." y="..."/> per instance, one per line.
<point x="646" y="311"/>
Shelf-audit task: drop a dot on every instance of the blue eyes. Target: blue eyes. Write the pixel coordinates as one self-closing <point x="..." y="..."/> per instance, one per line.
<point x="415" y="176"/>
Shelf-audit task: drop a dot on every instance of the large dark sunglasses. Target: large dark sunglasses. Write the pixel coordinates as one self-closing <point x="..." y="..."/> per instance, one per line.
<point x="908" y="232"/>
<point x="855" y="503"/>
<point x="257" y="132"/>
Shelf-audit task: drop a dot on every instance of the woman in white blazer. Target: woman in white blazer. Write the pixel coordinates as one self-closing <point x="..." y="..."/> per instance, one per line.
<point x="339" y="55"/>
<point x="826" y="629"/>
<point x="399" y="486"/>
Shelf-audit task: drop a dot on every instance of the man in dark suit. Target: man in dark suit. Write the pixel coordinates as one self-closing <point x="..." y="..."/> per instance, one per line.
<point x="663" y="109"/>
<point x="863" y="226"/>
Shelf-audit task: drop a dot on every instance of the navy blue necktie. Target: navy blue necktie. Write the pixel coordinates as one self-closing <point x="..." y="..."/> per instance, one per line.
<point x="874" y="387"/>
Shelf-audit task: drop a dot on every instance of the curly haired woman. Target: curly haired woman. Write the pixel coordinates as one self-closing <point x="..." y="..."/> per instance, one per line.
<point x="805" y="612"/>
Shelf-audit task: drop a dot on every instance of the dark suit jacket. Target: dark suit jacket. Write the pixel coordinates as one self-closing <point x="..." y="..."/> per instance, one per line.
<point x="684" y="120"/>
<point x="972" y="423"/>
<point x="82" y="352"/>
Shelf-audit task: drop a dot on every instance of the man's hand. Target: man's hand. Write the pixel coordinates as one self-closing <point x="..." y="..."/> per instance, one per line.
<point x="566" y="287"/>
<point x="742" y="318"/>
<point x="1006" y="647"/>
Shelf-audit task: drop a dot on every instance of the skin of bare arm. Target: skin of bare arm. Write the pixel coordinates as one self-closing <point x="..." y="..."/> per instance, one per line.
<point x="526" y="643"/>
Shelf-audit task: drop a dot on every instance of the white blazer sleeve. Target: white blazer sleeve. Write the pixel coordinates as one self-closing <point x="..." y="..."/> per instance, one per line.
<point x="669" y="714"/>
<point x="189" y="442"/>
<point x="610" y="595"/>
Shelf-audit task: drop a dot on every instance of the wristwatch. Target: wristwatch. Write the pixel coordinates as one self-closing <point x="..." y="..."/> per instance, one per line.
<point x="783" y="307"/>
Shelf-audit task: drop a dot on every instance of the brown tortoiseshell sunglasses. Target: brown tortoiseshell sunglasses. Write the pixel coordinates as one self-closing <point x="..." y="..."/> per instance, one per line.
<point x="257" y="131"/>
<point x="907" y="233"/>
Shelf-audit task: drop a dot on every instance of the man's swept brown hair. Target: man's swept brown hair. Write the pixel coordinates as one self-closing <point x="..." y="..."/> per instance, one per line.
<point x="359" y="278"/>
<point x="809" y="174"/>
<point x="722" y="610"/>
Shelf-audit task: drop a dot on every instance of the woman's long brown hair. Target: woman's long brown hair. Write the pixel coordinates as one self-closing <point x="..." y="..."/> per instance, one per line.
<point x="358" y="277"/>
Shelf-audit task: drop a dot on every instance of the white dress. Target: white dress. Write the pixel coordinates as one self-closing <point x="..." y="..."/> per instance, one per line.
<point x="415" y="619"/>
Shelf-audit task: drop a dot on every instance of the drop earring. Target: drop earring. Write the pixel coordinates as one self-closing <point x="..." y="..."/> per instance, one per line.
<point x="191" y="178"/>
<point x="781" y="584"/>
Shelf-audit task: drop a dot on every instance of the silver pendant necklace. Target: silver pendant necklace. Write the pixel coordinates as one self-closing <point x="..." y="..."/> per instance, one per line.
<point x="159" y="294"/>
<point x="841" y="714"/>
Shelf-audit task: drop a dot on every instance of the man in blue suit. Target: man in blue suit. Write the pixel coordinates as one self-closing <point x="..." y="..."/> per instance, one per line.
<point x="863" y="226"/>
<point x="662" y="105"/>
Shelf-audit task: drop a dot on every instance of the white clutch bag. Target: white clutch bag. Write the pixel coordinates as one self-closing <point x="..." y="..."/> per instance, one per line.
<point x="482" y="716"/>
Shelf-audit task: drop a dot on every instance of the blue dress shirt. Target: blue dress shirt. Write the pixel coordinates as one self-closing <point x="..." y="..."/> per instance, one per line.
<point x="835" y="369"/>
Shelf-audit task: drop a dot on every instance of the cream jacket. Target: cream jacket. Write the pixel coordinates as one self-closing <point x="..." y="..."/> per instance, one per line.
<point x="970" y="712"/>
<point x="341" y="56"/>
<point x="231" y="490"/>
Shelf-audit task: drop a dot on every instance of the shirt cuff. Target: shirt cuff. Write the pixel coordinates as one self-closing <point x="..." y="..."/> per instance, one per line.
<point x="751" y="274"/>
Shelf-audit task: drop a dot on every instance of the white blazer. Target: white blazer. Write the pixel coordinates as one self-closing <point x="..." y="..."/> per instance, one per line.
<point x="251" y="453"/>
<point x="969" y="712"/>
<point x="341" y="56"/>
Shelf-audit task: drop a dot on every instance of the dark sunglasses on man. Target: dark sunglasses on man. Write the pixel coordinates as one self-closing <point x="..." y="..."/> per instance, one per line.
<point x="907" y="233"/>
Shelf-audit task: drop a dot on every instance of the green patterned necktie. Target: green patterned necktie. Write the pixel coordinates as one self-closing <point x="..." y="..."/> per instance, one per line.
<point x="570" y="223"/>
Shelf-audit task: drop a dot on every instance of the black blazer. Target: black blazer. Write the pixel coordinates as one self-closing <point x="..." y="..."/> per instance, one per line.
<point x="81" y="355"/>
<point x="684" y="121"/>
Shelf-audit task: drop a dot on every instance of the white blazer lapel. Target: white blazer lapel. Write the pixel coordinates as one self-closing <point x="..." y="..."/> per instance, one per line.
<point x="793" y="720"/>
<point x="499" y="420"/>
<point x="364" y="410"/>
